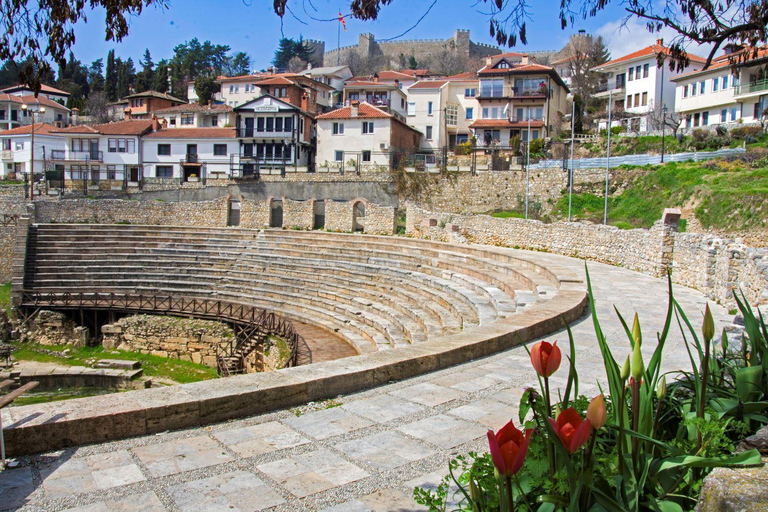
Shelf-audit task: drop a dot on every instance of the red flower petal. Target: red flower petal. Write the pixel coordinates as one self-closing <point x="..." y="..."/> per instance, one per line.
<point x="498" y="459"/>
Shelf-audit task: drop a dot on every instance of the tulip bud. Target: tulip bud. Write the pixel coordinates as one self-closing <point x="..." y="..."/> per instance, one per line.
<point x="625" y="370"/>
<point x="637" y="363"/>
<point x="636" y="334"/>
<point x="661" y="391"/>
<point x="724" y="343"/>
<point x="557" y="410"/>
<point x="596" y="412"/>
<point x="708" y="326"/>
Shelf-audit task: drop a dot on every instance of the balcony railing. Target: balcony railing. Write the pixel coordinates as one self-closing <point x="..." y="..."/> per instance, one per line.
<point x="77" y="156"/>
<point x="524" y="119"/>
<point x="248" y="133"/>
<point x="610" y="86"/>
<point x="190" y="158"/>
<point x="494" y="92"/>
<point x="759" y="86"/>
<point x="7" y="154"/>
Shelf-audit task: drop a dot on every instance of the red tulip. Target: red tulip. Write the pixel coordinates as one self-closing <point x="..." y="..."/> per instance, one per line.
<point x="545" y="358"/>
<point x="509" y="447"/>
<point x="571" y="429"/>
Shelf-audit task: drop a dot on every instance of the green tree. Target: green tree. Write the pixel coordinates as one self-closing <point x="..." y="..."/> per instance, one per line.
<point x="73" y="78"/>
<point x="126" y="76"/>
<point x="160" y="81"/>
<point x="96" y="75"/>
<point x="287" y="49"/>
<point x="10" y="73"/>
<point x="110" y="86"/>
<point x="412" y="64"/>
<point x="145" y="77"/>
<point x="205" y="88"/>
<point x="237" y="64"/>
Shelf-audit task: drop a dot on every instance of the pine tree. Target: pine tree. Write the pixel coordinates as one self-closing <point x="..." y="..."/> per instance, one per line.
<point x="145" y="78"/>
<point x="96" y="76"/>
<point x="160" y="82"/>
<point x="110" y="86"/>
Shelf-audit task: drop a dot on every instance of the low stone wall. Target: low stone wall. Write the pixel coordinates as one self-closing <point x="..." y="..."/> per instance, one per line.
<point x="7" y="237"/>
<point x="338" y="216"/>
<point x="712" y="265"/>
<point x="254" y="214"/>
<point x="298" y="214"/>
<point x="380" y="220"/>
<point x="54" y="328"/>
<point x="164" y="336"/>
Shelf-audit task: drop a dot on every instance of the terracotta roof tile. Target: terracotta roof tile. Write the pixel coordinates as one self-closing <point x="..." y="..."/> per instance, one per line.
<point x="720" y="62"/>
<point x="277" y="80"/>
<point x="40" y="129"/>
<point x="138" y="127"/>
<point x="195" y="107"/>
<point x="154" y="94"/>
<point x="42" y="100"/>
<point x="365" y="110"/>
<point x="648" y="51"/>
<point x="428" y="84"/>
<point x="193" y="133"/>
<point x="43" y="88"/>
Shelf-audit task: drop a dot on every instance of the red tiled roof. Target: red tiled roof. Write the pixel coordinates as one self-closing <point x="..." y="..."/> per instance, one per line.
<point x="138" y="127"/>
<point x="428" y="84"/>
<point x="195" y="107"/>
<point x="508" y="54"/>
<point x="10" y="97"/>
<point x="648" y="51"/>
<point x="517" y="69"/>
<point x="350" y="83"/>
<point x="393" y="75"/>
<point x="40" y="129"/>
<point x="365" y="110"/>
<point x="43" y="88"/>
<point x="504" y="123"/>
<point x="277" y="80"/>
<point x="193" y="133"/>
<point x="720" y="62"/>
<point x="42" y="100"/>
<point x="469" y="75"/>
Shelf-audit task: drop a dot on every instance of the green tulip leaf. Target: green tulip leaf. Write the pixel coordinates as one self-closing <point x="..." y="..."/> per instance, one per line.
<point x="748" y="382"/>
<point x="748" y="458"/>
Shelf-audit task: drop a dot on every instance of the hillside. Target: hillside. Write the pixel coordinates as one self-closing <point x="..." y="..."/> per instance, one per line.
<point x="719" y="196"/>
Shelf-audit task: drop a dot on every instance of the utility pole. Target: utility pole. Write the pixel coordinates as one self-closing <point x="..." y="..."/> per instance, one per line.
<point x="608" y="160"/>
<point x="528" y="166"/>
<point x="570" y="171"/>
<point x="31" y="173"/>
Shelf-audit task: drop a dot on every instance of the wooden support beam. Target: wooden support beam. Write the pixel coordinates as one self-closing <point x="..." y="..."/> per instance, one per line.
<point x="16" y="393"/>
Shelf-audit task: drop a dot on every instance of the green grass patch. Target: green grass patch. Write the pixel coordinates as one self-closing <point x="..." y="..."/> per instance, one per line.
<point x="729" y="195"/>
<point x="5" y="297"/>
<point x="39" y="397"/>
<point x="154" y="366"/>
<point x="507" y="214"/>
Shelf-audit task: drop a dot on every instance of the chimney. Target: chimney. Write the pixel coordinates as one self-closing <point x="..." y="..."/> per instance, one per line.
<point x="354" y="108"/>
<point x="127" y="114"/>
<point x="210" y="103"/>
<point x="305" y="102"/>
<point x="660" y="41"/>
<point x="397" y="83"/>
<point x="155" y="124"/>
<point x="75" y="115"/>
<point x="376" y="77"/>
<point x="164" y="123"/>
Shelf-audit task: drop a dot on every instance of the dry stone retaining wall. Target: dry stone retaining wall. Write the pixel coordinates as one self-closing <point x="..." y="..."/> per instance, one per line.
<point x="298" y="214"/>
<point x="176" y="338"/>
<point x="714" y="266"/>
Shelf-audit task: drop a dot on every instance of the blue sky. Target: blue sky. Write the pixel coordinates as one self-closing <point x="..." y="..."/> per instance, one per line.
<point x="251" y="26"/>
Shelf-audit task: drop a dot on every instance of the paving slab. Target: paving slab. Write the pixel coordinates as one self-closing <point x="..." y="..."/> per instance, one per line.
<point x="328" y="422"/>
<point x="181" y="455"/>
<point x="259" y="439"/>
<point x="142" y="502"/>
<point x="88" y="474"/>
<point x="237" y="490"/>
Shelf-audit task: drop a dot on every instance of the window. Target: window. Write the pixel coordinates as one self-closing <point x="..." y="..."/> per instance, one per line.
<point x="278" y="124"/>
<point x="247" y="87"/>
<point x="112" y="146"/>
<point x="237" y="89"/>
<point x="724" y="115"/>
<point x="701" y="87"/>
<point x="339" y="156"/>
<point x="259" y="124"/>
<point x="288" y="124"/>
<point x="270" y="124"/>
<point x="714" y="84"/>
<point x="735" y="81"/>
<point x="645" y="98"/>
<point x="164" y="171"/>
<point x="493" y="88"/>
<point x="429" y="133"/>
<point x="2" y="115"/>
<point x="121" y="146"/>
<point x="685" y="91"/>
<point x="705" y="118"/>
<point x="164" y="149"/>
<point x="219" y="150"/>
<point x="429" y="108"/>
<point x="645" y="70"/>
<point x="470" y="112"/>
<point x="338" y="128"/>
<point x="173" y="119"/>
<point x="631" y="74"/>
<point x="696" y="118"/>
<point x="281" y="92"/>
<point x="687" y="121"/>
<point x="693" y="89"/>
<point x="411" y="108"/>
<point x="629" y="101"/>
<point x="19" y="146"/>
<point x="734" y="113"/>
<point x="6" y="144"/>
<point x="470" y="92"/>
<point x="214" y="120"/>
<point x="637" y="72"/>
<point x="535" y="134"/>
<point x="451" y="115"/>
<point x="367" y="127"/>
<point x="637" y="99"/>
<point x="187" y="119"/>
<point x="725" y="82"/>
<point x="231" y="89"/>
<point x="366" y="155"/>
<point x="14" y="115"/>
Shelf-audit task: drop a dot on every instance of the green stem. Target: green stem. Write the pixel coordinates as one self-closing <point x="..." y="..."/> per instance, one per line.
<point x="620" y="411"/>
<point x="703" y="397"/>
<point x="510" y="500"/>
<point x="522" y="493"/>
<point x="551" y="447"/>
<point x="635" y="415"/>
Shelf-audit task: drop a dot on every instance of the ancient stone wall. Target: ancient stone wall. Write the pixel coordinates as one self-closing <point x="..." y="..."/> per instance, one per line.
<point x="176" y="338"/>
<point x="380" y="220"/>
<point x="254" y="214"/>
<point x="298" y="214"/>
<point x="338" y="216"/>
<point x="7" y="237"/>
<point x="713" y="265"/>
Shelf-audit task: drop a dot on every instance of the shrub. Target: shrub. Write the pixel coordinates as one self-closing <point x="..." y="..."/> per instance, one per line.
<point x="464" y="148"/>
<point x="514" y="144"/>
<point x="537" y="146"/>
<point x="744" y="132"/>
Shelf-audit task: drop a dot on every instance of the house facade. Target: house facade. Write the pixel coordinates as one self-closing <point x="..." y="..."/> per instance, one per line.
<point x="46" y="91"/>
<point x="296" y="89"/>
<point x="637" y="86"/>
<point x="16" y="111"/>
<point x="362" y="137"/>
<point x="274" y="137"/>
<point x="387" y="96"/>
<point x="732" y="91"/>
<point x="516" y="96"/>
<point x="188" y="154"/>
<point x="103" y="156"/>
<point x="142" y="105"/>
<point x="16" y="149"/>
<point x="194" y="115"/>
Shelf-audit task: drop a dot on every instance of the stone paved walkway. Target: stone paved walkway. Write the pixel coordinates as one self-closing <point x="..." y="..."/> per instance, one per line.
<point x="361" y="452"/>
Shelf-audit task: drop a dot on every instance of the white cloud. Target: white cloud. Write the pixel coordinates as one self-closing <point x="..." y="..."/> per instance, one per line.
<point x="622" y="39"/>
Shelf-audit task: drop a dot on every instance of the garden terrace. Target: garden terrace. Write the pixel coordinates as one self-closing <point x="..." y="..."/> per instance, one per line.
<point x="407" y="307"/>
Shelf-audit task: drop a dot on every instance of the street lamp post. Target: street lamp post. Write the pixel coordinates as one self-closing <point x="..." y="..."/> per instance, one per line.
<point x="31" y="172"/>
<point x="663" y="129"/>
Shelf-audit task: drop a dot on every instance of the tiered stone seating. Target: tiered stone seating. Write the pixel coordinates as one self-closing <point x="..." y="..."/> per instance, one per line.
<point x="374" y="292"/>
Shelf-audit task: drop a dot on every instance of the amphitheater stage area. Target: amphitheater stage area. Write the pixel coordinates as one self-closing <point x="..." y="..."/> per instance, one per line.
<point x="378" y="423"/>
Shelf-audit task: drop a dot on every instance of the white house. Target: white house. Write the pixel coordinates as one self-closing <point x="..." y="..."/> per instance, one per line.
<point x="194" y="115"/>
<point x="275" y="137"/>
<point x="637" y="85"/>
<point x="17" y="110"/>
<point x="362" y="136"/>
<point x="388" y="96"/>
<point x="16" y="148"/>
<point x="334" y="76"/>
<point x="106" y="156"/>
<point x="730" y="91"/>
<point x="290" y="87"/>
<point x="188" y="154"/>
<point x="46" y="91"/>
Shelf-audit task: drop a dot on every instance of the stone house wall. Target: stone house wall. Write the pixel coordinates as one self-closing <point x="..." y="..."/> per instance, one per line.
<point x="165" y="336"/>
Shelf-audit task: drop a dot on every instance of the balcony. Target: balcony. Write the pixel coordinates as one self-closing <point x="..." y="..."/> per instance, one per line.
<point x="7" y="154"/>
<point x="605" y="89"/>
<point x="77" y="156"/>
<point x="525" y="119"/>
<point x="190" y="159"/>
<point x="760" y="86"/>
<point x="486" y="93"/>
<point x="253" y="133"/>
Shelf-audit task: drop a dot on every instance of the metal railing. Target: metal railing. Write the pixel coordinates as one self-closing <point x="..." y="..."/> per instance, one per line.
<point x="758" y="86"/>
<point x="610" y="86"/>
<point x="615" y="161"/>
<point x="248" y="321"/>
<point x="77" y="156"/>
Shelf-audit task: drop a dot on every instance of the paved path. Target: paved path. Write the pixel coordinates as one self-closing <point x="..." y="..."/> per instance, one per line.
<point x="361" y="452"/>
